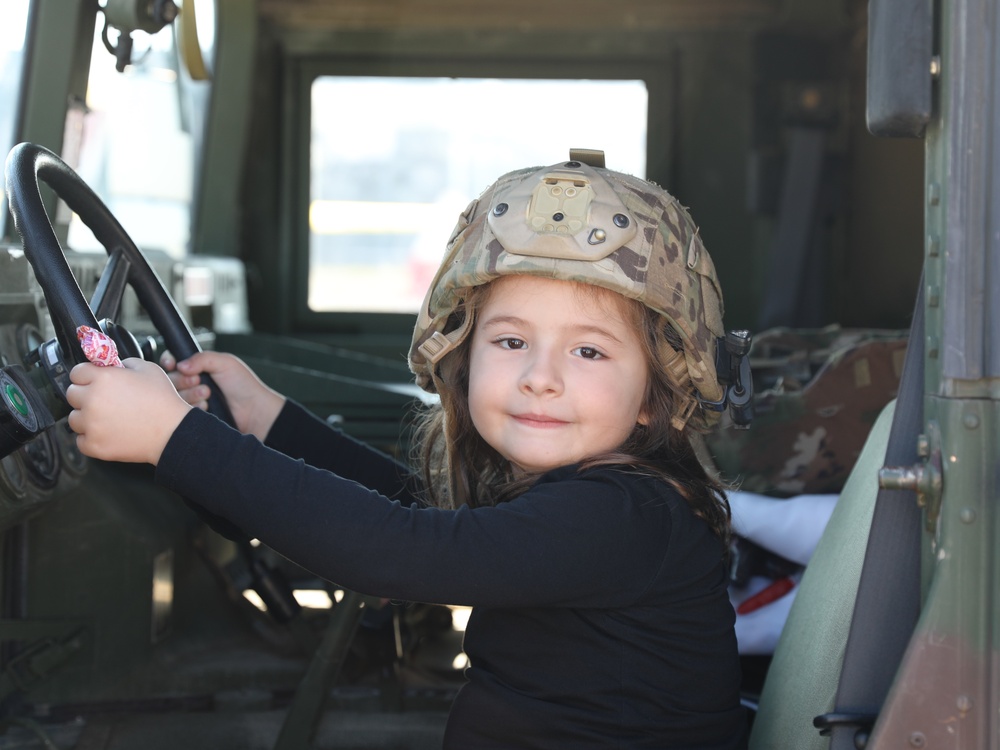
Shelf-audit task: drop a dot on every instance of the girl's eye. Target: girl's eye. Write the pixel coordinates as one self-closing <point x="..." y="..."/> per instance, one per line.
<point x="588" y="352"/>
<point x="512" y="343"/>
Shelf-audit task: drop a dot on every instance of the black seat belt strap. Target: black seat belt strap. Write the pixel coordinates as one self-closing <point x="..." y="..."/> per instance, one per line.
<point x="888" y="599"/>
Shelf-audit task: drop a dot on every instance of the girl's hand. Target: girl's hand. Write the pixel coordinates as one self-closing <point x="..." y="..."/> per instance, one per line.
<point x="123" y="414"/>
<point x="253" y="404"/>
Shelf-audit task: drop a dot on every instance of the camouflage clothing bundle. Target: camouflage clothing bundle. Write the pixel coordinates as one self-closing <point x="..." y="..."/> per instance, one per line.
<point x="580" y="223"/>
<point x="817" y="394"/>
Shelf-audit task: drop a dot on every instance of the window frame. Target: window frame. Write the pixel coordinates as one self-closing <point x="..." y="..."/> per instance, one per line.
<point x="655" y="71"/>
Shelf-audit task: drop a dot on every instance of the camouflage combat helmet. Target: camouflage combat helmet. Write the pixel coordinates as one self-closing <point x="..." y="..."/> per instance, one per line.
<point x="577" y="222"/>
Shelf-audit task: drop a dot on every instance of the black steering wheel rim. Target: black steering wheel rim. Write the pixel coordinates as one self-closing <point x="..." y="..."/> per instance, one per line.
<point x="27" y="166"/>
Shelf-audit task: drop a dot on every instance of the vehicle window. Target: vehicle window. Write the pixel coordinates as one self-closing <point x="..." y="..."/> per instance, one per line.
<point x="395" y="160"/>
<point x="134" y="148"/>
<point x="13" y="25"/>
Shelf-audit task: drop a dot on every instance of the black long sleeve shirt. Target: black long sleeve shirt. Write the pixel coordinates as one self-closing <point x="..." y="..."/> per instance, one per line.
<point x="600" y="618"/>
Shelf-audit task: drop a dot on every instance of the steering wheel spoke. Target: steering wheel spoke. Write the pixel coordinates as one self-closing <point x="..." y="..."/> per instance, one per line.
<point x="107" y="299"/>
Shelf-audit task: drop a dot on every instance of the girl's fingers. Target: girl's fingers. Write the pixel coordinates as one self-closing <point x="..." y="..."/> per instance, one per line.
<point x="184" y="382"/>
<point x="196" y="396"/>
<point x="82" y="374"/>
<point x="74" y="420"/>
<point x="196" y="364"/>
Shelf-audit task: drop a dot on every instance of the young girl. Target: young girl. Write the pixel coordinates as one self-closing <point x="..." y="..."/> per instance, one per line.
<point x="571" y="335"/>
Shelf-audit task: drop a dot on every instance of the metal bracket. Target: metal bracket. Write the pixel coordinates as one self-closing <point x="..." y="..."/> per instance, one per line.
<point x="732" y="365"/>
<point x="926" y="478"/>
<point x="53" y="643"/>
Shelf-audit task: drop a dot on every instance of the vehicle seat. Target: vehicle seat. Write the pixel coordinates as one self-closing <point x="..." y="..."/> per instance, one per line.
<point x="805" y="671"/>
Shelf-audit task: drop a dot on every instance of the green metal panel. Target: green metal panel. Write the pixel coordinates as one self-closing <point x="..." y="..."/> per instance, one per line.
<point x="218" y="197"/>
<point x="945" y="693"/>
<point x="58" y="60"/>
<point x="56" y="66"/>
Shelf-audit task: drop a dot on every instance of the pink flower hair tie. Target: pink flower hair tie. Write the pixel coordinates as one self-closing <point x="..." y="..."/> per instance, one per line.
<point x="98" y="347"/>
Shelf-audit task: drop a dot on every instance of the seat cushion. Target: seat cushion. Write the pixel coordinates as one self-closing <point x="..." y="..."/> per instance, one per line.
<point x="802" y="680"/>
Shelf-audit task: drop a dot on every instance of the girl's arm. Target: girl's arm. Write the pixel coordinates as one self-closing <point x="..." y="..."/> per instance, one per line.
<point x="253" y="404"/>
<point x="128" y="414"/>
<point x="300" y="434"/>
<point x="575" y="542"/>
<point x="286" y="426"/>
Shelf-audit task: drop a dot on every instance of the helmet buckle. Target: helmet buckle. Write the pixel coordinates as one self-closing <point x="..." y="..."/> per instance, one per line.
<point x="435" y="347"/>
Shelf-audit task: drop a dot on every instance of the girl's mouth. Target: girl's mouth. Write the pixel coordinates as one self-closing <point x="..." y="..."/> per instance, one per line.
<point x="538" y="420"/>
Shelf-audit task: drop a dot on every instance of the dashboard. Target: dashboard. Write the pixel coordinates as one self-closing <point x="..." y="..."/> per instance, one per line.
<point x="40" y="461"/>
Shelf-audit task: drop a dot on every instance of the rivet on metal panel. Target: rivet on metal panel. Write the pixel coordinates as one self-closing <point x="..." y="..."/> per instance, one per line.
<point x="933" y="295"/>
<point x="933" y="245"/>
<point x="923" y="446"/>
<point x="932" y="347"/>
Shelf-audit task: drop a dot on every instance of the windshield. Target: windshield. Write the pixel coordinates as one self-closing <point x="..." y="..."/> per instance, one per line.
<point x="393" y="161"/>
<point x="136" y="150"/>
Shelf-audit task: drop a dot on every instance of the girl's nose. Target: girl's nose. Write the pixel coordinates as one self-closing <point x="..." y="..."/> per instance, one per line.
<point x="541" y="375"/>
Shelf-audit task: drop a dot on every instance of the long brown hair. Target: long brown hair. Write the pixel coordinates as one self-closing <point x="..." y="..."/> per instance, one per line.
<point x="460" y="468"/>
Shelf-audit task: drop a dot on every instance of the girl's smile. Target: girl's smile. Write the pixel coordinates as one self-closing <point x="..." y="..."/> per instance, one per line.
<point x="538" y="420"/>
<point x="557" y="372"/>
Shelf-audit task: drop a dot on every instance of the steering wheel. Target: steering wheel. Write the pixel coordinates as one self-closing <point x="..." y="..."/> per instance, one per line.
<point x="27" y="166"/>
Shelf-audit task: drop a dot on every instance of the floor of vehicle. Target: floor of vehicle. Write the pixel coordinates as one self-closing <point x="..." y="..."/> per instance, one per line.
<point x="233" y="691"/>
<point x="237" y="730"/>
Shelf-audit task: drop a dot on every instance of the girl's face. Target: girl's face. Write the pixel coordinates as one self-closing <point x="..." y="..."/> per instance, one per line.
<point x="557" y="373"/>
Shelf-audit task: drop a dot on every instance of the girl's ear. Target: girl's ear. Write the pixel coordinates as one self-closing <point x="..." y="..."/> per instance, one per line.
<point x="643" y="418"/>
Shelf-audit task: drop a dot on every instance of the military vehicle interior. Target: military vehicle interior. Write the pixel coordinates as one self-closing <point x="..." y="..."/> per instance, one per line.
<point x="291" y="169"/>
